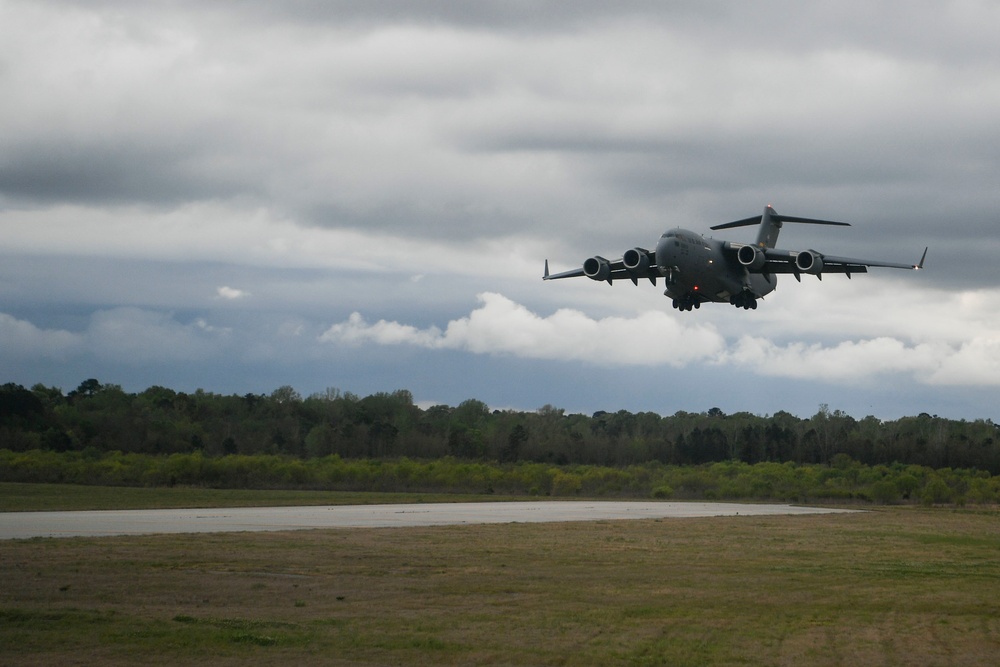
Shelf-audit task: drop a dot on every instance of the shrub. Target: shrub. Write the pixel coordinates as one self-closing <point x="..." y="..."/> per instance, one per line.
<point x="566" y="484"/>
<point x="884" y="492"/>
<point x="935" y="492"/>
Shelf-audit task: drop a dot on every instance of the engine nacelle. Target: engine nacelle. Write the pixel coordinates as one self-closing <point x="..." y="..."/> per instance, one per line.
<point x="636" y="260"/>
<point x="751" y="257"/>
<point x="597" y="268"/>
<point x="809" y="261"/>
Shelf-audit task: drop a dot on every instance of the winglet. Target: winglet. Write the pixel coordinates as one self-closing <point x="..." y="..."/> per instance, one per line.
<point x="922" y="258"/>
<point x="546" y="276"/>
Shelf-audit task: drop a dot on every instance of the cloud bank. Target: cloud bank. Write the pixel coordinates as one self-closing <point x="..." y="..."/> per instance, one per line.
<point x="500" y="326"/>
<point x="247" y="195"/>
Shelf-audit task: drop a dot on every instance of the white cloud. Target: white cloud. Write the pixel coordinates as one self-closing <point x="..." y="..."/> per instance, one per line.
<point x="502" y="327"/>
<point x="974" y="362"/>
<point x="356" y="331"/>
<point x="231" y="293"/>
<point x="22" y="339"/>
<point x="848" y="362"/>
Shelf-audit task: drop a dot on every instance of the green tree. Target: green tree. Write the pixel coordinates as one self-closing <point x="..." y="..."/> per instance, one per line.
<point x="515" y="441"/>
<point x="320" y="441"/>
<point x="18" y="406"/>
<point x="286" y="394"/>
<point x="935" y="491"/>
<point x="885" y="492"/>
<point x="88" y="388"/>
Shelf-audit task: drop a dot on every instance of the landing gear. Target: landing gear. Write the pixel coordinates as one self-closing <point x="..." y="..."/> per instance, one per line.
<point x="744" y="300"/>
<point x="687" y="303"/>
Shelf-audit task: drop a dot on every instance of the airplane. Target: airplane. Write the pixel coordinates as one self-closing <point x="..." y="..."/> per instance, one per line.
<point x="698" y="270"/>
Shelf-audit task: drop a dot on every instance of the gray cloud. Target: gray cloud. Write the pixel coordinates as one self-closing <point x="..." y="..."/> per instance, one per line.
<point x="398" y="158"/>
<point x="422" y="118"/>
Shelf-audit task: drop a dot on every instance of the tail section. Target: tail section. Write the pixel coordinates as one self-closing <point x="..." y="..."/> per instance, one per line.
<point x="770" y="225"/>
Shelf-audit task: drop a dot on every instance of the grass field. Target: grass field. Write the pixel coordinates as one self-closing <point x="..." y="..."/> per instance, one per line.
<point x="16" y="497"/>
<point x="896" y="586"/>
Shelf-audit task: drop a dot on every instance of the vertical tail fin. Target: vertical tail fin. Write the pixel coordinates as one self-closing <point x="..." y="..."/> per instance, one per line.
<point x="770" y="226"/>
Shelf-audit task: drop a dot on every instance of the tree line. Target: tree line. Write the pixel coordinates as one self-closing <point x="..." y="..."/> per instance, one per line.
<point x="386" y="425"/>
<point x="842" y="480"/>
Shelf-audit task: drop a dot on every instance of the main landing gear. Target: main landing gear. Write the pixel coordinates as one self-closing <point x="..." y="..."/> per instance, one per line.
<point x="687" y="303"/>
<point x="744" y="300"/>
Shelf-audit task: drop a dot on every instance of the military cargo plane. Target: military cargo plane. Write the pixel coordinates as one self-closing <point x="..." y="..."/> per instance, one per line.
<point x="697" y="270"/>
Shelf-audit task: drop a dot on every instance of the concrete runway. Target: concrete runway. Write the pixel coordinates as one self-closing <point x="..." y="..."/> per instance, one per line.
<point x="23" y="525"/>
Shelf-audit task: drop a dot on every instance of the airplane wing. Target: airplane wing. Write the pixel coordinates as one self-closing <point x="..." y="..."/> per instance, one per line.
<point x="847" y="261"/>
<point x="636" y="263"/>
<point x="575" y="273"/>
<point x="774" y="260"/>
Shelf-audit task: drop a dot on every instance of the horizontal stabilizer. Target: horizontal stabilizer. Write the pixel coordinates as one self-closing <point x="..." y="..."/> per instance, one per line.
<point x="808" y="221"/>
<point x="739" y="223"/>
<point x="780" y="218"/>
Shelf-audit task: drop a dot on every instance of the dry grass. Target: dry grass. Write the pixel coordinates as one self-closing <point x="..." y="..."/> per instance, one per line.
<point x="902" y="586"/>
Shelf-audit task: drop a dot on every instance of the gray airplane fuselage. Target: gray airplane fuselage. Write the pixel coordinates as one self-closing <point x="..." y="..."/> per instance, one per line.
<point x="697" y="266"/>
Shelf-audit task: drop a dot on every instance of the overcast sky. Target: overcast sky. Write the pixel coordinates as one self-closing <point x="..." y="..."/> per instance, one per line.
<point x="361" y="195"/>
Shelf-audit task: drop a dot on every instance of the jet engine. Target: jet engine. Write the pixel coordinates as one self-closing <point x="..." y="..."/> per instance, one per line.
<point x="597" y="268"/>
<point x="636" y="260"/>
<point x="751" y="257"/>
<point x="809" y="261"/>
